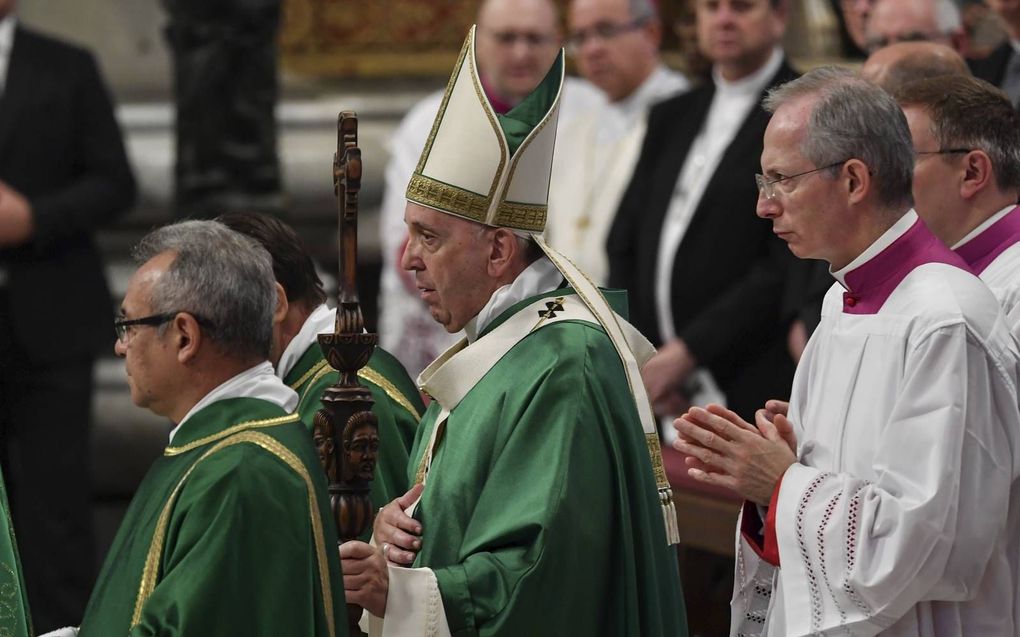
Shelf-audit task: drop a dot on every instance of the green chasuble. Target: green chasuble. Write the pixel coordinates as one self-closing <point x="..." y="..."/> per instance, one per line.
<point x="398" y="408"/>
<point x="15" y="620"/>
<point x="229" y="534"/>
<point x="540" y="513"/>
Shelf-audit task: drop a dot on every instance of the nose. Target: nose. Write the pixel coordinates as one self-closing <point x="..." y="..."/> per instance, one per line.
<point x="409" y="259"/>
<point x="119" y="348"/>
<point x="767" y="208"/>
<point x="724" y="15"/>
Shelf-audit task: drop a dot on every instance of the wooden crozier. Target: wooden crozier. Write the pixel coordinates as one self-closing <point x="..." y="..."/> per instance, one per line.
<point x="346" y="431"/>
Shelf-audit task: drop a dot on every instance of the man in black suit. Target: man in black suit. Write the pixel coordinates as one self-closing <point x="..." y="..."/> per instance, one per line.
<point x="63" y="173"/>
<point x="1002" y="67"/>
<point x="705" y="274"/>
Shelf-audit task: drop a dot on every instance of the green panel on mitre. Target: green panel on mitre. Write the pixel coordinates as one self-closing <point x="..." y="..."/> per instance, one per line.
<point x="520" y="120"/>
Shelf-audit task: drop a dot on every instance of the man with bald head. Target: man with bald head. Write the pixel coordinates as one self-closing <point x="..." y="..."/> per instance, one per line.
<point x="517" y="41"/>
<point x="895" y="65"/>
<point x="616" y="46"/>
<point x="891" y="21"/>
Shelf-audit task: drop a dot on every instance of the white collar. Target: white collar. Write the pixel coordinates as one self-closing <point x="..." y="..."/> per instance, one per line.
<point x="255" y="382"/>
<point x="660" y="83"/>
<point x="322" y="319"/>
<point x="754" y="83"/>
<point x="541" y="276"/>
<point x="1016" y="46"/>
<point x="987" y="223"/>
<point x="892" y="234"/>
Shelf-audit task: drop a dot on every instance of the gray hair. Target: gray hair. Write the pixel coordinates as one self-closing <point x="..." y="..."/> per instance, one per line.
<point x="854" y="118"/>
<point x="220" y="276"/>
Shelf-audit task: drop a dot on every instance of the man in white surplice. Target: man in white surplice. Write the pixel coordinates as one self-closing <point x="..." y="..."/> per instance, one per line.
<point x="616" y="46"/>
<point x="966" y="185"/>
<point x="890" y="516"/>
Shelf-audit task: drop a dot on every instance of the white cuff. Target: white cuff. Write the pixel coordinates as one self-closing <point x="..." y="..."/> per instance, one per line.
<point x="413" y="607"/>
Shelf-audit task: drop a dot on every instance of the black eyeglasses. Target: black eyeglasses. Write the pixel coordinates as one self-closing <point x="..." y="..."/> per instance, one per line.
<point x="120" y="325"/>
<point x="603" y="31"/>
<point x="944" y="151"/>
<point x="767" y="187"/>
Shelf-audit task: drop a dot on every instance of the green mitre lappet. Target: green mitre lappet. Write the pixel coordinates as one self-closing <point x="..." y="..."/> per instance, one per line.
<point x="495" y="169"/>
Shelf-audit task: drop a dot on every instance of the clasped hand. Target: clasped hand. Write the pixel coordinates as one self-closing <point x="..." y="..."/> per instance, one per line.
<point x="727" y="451"/>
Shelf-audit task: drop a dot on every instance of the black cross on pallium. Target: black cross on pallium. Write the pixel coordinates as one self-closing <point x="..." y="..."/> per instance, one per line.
<point x="556" y="305"/>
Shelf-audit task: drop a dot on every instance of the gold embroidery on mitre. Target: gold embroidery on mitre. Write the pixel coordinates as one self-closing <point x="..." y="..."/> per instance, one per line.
<point x="441" y="196"/>
<point x="521" y="216"/>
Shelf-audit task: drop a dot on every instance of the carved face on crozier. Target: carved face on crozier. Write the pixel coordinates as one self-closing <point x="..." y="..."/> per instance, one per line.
<point x="322" y="437"/>
<point x="361" y="447"/>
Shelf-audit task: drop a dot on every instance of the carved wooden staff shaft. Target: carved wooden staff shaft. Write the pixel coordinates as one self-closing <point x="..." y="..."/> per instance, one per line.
<point x="345" y="428"/>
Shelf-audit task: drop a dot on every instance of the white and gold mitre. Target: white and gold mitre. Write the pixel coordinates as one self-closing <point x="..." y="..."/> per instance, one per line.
<point x="487" y="167"/>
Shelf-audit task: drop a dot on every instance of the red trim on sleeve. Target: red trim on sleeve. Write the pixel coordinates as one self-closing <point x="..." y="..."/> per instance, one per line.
<point x="761" y="536"/>
<point x="771" y="552"/>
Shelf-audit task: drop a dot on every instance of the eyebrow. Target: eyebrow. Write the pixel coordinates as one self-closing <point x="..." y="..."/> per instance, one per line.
<point x="419" y="226"/>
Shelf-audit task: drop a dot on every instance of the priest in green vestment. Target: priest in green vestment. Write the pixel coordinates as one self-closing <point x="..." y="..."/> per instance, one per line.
<point x="230" y="532"/>
<point x="544" y="508"/>
<point x="301" y="316"/>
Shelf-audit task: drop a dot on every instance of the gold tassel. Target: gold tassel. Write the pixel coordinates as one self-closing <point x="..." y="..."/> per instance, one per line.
<point x="665" y="492"/>
<point x="669" y="516"/>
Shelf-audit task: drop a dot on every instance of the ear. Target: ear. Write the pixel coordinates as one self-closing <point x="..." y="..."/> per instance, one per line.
<point x="503" y="249"/>
<point x="187" y="337"/>
<point x="282" y="306"/>
<point x="857" y="178"/>
<point x="977" y="175"/>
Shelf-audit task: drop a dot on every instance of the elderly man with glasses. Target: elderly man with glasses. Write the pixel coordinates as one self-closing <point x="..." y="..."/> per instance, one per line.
<point x="517" y="41"/>
<point x="616" y="46"/>
<point x="230" y="533"/>
<point x="876" y="504"/>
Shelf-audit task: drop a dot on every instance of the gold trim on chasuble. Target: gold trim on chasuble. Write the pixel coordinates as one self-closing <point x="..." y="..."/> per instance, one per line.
<point x="372" y="376"/>
<point x="229" y="431"/>
<point x="151" y="570"/>
<point x="322" y="368"/>
<point x="663" y="488"/>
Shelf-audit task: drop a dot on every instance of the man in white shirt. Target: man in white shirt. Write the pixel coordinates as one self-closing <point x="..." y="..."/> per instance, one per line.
<point x="879" y="506"/>
<point x="616" y="46"/>
<point x="517" y="41"/>
<point x="705" y="276"/>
